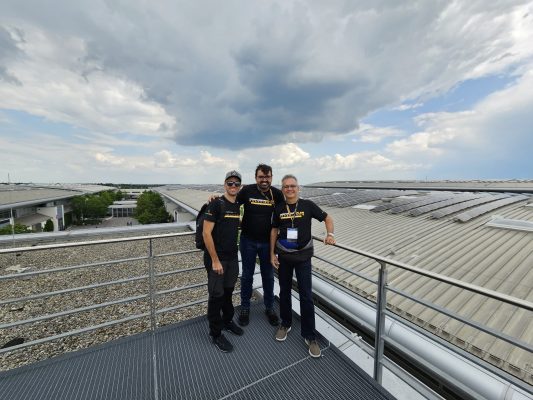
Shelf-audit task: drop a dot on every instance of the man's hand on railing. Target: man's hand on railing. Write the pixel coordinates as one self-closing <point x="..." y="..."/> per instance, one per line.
<point x="329" y="240"/>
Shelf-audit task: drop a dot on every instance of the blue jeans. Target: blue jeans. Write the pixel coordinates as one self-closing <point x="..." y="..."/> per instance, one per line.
<point x="250" y="249"/>
<point x="305" y="289"/>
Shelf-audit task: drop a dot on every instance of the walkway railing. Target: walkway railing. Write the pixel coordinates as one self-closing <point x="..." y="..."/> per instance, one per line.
<point x="381" y="301"/>
<point x="151" y="275"/>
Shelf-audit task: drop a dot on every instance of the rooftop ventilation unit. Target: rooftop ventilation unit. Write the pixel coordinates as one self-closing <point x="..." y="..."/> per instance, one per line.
<point x="498" y="221"/>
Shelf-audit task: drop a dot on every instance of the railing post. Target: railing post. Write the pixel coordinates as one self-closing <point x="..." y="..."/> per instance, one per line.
<point x="151" y="274"/>
<point x="153" y="322"/>
<point x="381" y="305"/>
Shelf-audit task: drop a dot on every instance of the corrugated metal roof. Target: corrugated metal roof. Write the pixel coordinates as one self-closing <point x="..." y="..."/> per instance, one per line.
<point x="13" y="195"/>
<point x="493" y="258"/>
<point x="486" y="185"/>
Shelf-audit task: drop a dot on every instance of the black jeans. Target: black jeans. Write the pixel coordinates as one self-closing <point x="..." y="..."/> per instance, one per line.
<point x="307" y="308"/>
<point x="220" y="288"/>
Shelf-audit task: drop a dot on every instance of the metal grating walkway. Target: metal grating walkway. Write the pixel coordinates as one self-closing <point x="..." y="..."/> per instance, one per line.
<point x="189" y="367"/>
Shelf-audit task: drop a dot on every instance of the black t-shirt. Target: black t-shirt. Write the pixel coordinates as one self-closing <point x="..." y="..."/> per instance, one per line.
<point x="258" y="207"/>
<point x="226" y="227"/>
<point x="305" y="211"/>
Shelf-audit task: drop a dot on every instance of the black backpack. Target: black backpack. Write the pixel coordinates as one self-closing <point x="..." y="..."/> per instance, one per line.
<point x="199" y="237"/>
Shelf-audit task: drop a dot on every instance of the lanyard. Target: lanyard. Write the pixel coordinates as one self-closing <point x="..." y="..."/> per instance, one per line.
<point x="292" y="216"/>
<point x="271" y="199"/>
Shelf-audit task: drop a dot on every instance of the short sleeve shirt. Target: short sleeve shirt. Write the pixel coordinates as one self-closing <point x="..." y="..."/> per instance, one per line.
<point x="298" y="216"/>
<point x="226" y="227"/>
<point x="258" y="208"/>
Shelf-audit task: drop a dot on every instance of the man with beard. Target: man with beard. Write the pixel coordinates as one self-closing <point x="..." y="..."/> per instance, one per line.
<point x="259" y="200"/>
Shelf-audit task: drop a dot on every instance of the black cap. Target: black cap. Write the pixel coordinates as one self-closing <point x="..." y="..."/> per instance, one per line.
<point x="233" y="174"/>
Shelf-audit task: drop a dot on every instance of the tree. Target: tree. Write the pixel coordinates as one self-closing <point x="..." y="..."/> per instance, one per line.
<point x="78" y="207"/>
<point x="151" y="209"/>
<point x="18" y="228"/>
<point x="48" y="226"/>
<point x="95" y="207"/>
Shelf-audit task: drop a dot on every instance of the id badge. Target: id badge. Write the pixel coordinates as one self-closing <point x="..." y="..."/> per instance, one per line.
<point x="292" y="233"/>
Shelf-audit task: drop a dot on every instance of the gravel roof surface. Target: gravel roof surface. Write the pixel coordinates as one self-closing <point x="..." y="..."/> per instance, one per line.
<point x="21" y="286"/>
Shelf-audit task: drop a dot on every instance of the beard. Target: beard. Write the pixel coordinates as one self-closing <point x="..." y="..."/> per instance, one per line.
<point x="264" y="185"/>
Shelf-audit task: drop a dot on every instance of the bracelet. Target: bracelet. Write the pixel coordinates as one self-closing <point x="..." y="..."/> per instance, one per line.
<point x="331" y="234"/>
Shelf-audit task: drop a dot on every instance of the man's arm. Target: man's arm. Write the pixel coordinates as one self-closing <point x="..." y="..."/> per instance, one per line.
<point x="330" y="238"/>
<point x="210" y="246"/>
<point x="273" y="237"/>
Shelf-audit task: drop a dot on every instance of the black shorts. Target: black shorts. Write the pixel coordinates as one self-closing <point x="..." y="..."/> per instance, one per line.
<point x="217" y="282"/>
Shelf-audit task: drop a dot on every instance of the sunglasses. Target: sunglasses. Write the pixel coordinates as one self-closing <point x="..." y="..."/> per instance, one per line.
<point x="236" y="184"/>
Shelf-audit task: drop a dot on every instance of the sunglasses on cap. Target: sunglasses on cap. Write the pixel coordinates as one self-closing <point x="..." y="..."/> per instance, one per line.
<point x="233" y="183"/>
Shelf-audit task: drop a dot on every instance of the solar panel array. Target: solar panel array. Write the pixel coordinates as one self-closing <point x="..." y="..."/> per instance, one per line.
<point x="439" y="205"/>
<point x="355" y="197"/>
<point x="432" y="199"/>
<point x="468" y="215"/>
<point x="446" y="203"/>
<point x="444" y="212"/>
<point x="310" y="192"/>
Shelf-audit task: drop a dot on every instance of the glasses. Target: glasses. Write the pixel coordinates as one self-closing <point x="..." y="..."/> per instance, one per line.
<point x="236" y="184"/>
<point x="289" y="186"/>
<point x="263" y="177"/>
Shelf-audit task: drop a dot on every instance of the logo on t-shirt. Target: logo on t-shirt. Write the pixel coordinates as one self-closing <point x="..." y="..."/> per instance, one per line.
<point x="261" y="202"/>
<point x="291" y="215"/>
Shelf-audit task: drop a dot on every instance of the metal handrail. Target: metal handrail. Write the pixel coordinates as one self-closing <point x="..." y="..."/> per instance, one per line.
<point x="153" y="293"/>
<point x="381" y="303"/>
<point x="455" y="282"/>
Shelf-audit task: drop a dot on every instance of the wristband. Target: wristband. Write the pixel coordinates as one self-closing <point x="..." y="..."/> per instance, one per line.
<point x="331" y="234"/>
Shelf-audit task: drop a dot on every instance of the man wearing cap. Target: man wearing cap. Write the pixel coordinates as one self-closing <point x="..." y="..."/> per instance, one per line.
<point x="258" y="201"/>
<point x="220" y="231"/>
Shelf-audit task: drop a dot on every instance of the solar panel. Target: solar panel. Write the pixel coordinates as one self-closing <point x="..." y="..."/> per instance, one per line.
<point x="311" y="193"/>
<point x="396" y="203"/>
<point x="475" y="212"/>
<point x="467" y="204"/>
<point x="435" y="206"/>
<point x="355" y="197"/>
<point x="422" y="202"/>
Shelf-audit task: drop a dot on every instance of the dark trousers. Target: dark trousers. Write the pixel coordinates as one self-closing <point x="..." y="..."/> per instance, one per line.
<point x="307" y="308"/>
<point x="220" y="288"/>
<point x="250" y="249"/>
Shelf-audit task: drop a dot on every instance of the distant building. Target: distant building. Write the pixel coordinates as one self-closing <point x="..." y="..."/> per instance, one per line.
<point x="32" y="205"/>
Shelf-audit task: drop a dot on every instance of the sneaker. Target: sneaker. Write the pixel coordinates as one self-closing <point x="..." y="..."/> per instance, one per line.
<point x="222" y="344"/>
<point x="282" y="332"/>
<point x="272" y="317"/>
<point x="314" y="348"/>
<point x="244" y="317"/>
<point x="233" y="328"/>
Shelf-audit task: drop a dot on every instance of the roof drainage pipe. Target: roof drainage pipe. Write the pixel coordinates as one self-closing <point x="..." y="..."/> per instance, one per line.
<point x="450" y="366"/>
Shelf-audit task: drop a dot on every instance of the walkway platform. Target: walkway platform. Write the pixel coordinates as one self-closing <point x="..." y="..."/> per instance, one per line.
<point x="188" y="366"/>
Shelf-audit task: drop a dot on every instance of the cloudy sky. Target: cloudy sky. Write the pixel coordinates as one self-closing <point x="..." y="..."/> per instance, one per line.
<point x="178" y="92"/>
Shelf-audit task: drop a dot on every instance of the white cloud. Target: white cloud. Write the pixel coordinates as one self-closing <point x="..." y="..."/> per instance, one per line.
<point x="375" y="134"/>
<point x="56" y="84"/>
<point x="109" y="159"/>
<point x="243" y="74"/>
<point x="250" y="82"/>
<point x="288" y="155"/>
<point x="492" y="138"/>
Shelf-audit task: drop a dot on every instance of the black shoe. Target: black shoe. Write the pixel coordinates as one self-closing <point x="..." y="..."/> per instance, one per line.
<point x="222" y="344"/>
<point x="233" y="328"/>
<point x="244" y="317"/>
<point x="272" y="317"/>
